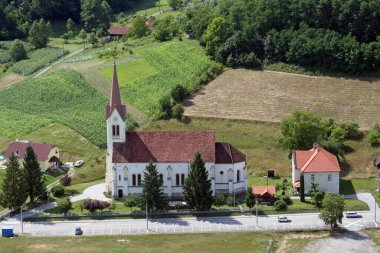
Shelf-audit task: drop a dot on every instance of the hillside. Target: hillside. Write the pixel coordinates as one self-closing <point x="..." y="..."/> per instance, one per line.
<point x="271" y="96"/>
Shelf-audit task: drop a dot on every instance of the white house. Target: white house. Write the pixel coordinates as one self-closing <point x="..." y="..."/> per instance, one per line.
<point x="129" y="152"/>
<point x="319" y="166"/>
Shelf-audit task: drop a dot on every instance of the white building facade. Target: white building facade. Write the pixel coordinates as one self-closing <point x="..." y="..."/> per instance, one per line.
<point x="317" y="165"/>
<point x="128" y="154"/>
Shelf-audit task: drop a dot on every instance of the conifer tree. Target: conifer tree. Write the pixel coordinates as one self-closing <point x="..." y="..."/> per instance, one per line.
<point x="152" y="189"/>
<point x="197" y="188"/>
<point x="302" y="188"/>
<point x="35" y="185"/>
<point x="13" y="193"/>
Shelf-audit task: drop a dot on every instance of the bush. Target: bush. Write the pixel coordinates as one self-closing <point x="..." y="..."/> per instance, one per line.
<point x="178" y="111"/>
<point x="179" y="93"/>
<point x="230" y="201"/>
<point x="286" y="199"/>
<point x="65" y="181"/>
<point x="351" y="129"/>
<point x="373" y="136"/>
<point x="165" y="108"/>
<point x="64" y="205"/>
<point x="58" y="191"/>
<point x="219" y="200"/>
<point x="17" y="51"/>
<point x="280" y="205"/>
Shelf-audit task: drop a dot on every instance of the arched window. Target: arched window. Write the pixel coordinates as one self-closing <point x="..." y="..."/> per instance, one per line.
<point x="119" y="177"/>
<point x="177" y="183"/>
<point x="134" y="179"/>
<point x="238" y="176"/>
<point x="139" y="179"/>
<point x="161" y="178"/>
<point x="182" y="179"/>
<point x="115" y="130"/>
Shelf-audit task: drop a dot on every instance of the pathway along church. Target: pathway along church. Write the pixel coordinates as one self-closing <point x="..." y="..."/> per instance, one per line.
<point x="129" y="152"/>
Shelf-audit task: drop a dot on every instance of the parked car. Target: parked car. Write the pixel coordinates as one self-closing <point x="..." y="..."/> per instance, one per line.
<point x="353" y="215"/>
<point x="283" y="219"/>
<point x="78" y="231"/>
<point x="78" y="163"/>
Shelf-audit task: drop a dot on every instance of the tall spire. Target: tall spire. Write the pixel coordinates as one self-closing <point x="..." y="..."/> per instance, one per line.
<point x="115" y="98"/>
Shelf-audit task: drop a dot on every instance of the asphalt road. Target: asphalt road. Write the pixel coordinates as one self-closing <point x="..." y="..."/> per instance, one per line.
<point x="186" y="225"/>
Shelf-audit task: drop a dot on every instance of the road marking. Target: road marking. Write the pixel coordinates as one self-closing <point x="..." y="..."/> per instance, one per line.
<point x="354" y="223"/>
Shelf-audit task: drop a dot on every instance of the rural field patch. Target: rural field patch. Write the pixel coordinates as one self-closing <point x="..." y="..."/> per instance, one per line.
<point x="271" y="96"/>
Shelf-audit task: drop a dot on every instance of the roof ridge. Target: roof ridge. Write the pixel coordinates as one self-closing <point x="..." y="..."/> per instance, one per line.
<point x="231" y="155"/>
<point x="309" y="161"/>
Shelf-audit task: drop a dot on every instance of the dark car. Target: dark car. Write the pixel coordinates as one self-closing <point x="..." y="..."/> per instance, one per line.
<point x="78" y="231"/>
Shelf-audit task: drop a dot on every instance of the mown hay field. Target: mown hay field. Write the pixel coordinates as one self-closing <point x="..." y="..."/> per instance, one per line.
<point x="270" y="96"/>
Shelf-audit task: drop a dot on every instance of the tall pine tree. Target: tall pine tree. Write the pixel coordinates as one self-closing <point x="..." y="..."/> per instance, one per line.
<point x="197" y="188"/>
<point x="13" y="192"/>
<point x="35" y="181"/>
<point x="302" y="188"/>
<point x="153" y="193"/>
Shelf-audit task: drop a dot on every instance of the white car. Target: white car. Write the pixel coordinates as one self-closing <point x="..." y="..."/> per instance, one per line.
<point x="353" y="215"/>
<point x="78" y="163"/>
<point x="283" y="219"/>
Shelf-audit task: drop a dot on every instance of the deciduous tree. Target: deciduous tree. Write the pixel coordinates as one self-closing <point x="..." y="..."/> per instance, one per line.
<point x="65" y="205"/>
<point x="39" y="33"/>
<point x="197" y="188"/>
<point x="332" y="212"/>
<point x="139" y="28"/>
<point x="17" y="51"/>
<point x="130" y="202"/>
<point x="95" y="14"/>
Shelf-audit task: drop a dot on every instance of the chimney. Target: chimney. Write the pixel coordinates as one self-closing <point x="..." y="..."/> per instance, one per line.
<point x="316" y="146"/>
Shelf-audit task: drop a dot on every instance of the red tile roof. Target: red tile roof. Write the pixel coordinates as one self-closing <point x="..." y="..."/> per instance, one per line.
<point x="165" y="146"/>
<point x="261" y="190"/>
<point x="118" y="30"/>
<point x="149" y="22"/>
<point x="42" y="150"/>
<point x="226" y="153"/>
<point x="115" y="98"/>
<point x="316" y="160"/>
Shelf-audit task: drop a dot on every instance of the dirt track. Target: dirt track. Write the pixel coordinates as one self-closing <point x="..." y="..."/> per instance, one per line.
<point x="270" y="96"/>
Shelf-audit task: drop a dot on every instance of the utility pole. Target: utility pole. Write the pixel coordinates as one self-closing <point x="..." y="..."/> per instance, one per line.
<point x="146" y="211"/>
<point x="257" y="214"/>
<point x="375" y="209"/>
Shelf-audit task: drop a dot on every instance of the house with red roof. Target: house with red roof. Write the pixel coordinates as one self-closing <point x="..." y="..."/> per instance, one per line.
<point x="47" y="154"/>
<point x="317" y="165"/>
<point x="118" y="31"/>
<point x="264" y="194"/>
<point x="129" y="152"/>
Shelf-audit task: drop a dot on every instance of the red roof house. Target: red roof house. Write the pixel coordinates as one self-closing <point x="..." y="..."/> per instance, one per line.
<point x="264" y="193"/>
<point x="47" y="154"/>
<point x="118" y="31"/>
<point x="149" y="22"/>
<point x="318" y="165"/>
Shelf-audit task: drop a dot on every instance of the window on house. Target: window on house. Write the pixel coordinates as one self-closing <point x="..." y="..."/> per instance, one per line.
<point x="177" y="180"/>
<point x="182" y="179"/>
<point x="329" y="178"/>
<point x="238" y="176"/>
<point x="139" y="179"/>
<point x="134" y="180"/>
<point x="312" y="177"/>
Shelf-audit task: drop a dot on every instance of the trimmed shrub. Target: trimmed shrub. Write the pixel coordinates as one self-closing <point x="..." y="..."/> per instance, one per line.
<point x="165" y="108"/>
<point x="58" y="191"/>
<point x="280" y="205"/>
<point x="179" y="93"/>
<point x="178" y="111"/>
<point x="230" y="201"/>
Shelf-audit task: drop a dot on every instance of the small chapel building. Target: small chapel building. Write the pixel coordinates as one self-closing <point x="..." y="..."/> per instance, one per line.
<point x="129" y="152"/>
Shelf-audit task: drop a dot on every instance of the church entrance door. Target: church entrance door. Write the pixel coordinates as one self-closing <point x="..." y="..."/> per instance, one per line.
<point x="120" y="193"/>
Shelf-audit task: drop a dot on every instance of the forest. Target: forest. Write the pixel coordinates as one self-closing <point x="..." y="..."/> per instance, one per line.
<point x="338" y="35"/>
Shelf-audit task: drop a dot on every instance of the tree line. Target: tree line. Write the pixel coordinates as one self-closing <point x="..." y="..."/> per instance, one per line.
<point x="338" y="35"/>
<point x="16" y="17"/>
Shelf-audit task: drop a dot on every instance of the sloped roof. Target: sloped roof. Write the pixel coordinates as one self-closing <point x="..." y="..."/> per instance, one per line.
<point x="226" y="153"/>
<point x="118" y="30"/>
<point x="316" y="160"/>
<point x="41" y="150"/>
<point x="261" y="190"/>
<point x="115" y="98"/>
<point x="165" y="146"/>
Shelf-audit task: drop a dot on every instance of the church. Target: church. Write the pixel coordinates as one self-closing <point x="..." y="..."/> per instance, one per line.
<point x="129" y="152"/>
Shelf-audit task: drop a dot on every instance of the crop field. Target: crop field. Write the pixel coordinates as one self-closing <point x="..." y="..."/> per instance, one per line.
<point x="63" y="96"/>
<point x="271" y="96"/>
<point x="167" y="65"/>
<point x="37" y="60"/>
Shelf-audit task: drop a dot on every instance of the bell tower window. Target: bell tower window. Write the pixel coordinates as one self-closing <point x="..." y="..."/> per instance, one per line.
<point x="115" y="131"/>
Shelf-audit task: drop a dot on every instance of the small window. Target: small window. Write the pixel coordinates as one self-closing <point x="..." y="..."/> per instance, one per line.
<point x="139" y="179"/>
<point x="177" y="180"/>
<point x="115" y="130"/>
<point x="312" y="177"/>
<point x="329" y="178"/>
<point x="221" y="173"/>
<point x="182" y="179"/>
<point x="134" y="180"/>
<point x="238" y="176"/>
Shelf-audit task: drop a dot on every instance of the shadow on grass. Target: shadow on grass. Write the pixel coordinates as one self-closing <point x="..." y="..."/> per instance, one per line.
<point x="346" y="168"/>
<point x="346" y="187"/>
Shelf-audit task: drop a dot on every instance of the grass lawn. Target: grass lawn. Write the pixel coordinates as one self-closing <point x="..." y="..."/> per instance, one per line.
<point x="374" y="234"/>
<point x="2" y="175"/>
<point x="79" y="188"/>
<point x="205" y="242"/>
<point x="357" y="185"/>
